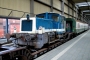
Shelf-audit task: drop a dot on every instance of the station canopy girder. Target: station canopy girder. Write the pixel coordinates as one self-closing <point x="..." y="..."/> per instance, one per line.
<point x="83" y="6"/>
<point x="80" y="1"/>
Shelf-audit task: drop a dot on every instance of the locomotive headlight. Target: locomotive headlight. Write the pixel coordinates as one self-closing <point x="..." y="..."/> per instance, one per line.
<point x="41" y="30"/>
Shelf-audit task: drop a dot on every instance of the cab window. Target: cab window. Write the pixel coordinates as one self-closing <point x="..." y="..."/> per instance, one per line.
<point x="55" y="18"/>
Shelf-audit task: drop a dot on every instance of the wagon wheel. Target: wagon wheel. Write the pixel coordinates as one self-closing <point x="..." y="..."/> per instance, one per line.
<point x="25" y="54"/>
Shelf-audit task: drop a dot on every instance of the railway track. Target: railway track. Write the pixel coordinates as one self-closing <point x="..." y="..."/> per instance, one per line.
<point x="42" y="51"/>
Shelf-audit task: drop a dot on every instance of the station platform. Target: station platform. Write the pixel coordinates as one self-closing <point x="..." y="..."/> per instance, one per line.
<point x="77" y="48"/>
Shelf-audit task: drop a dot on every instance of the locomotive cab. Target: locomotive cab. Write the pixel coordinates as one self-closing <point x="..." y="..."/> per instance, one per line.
<point x="53" y="22"/>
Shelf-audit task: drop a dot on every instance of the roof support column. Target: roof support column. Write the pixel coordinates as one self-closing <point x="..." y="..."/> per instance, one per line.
<point x="6" y="25"/>
<point x="76" y="15"/>
<point x="72" y="11"/>
<point x="68" y="9"/>
<point x="62" y="7"/>
<point x="82" y="16"/>
<point x="32" y="8"/>
<point x="6" y="30"/>
<point x="51" y="8"/>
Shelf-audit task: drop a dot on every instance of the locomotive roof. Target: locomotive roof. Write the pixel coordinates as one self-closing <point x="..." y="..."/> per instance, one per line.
<point x="49" y="13"/>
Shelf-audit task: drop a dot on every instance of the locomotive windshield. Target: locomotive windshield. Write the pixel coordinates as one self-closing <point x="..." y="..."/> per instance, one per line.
<point x="55" y="18"/>
<point x="63" y="21"/>
<point x="26" y="25"/>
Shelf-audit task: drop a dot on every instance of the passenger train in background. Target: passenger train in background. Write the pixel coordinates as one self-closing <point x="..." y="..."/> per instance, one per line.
<point x="47" y="28"/>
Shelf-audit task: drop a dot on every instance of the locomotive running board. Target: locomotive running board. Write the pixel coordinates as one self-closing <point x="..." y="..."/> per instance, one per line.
<point x="54" y="41"/>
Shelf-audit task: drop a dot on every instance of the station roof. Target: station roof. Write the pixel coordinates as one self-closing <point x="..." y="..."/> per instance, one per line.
<point x="84" y="7"/>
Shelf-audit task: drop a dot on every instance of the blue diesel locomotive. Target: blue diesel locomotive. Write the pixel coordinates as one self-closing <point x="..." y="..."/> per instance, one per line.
<point x="45" y="28"/>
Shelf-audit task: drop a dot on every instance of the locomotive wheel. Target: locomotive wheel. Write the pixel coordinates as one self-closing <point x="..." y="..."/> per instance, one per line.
<point x="24" y="54"/>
